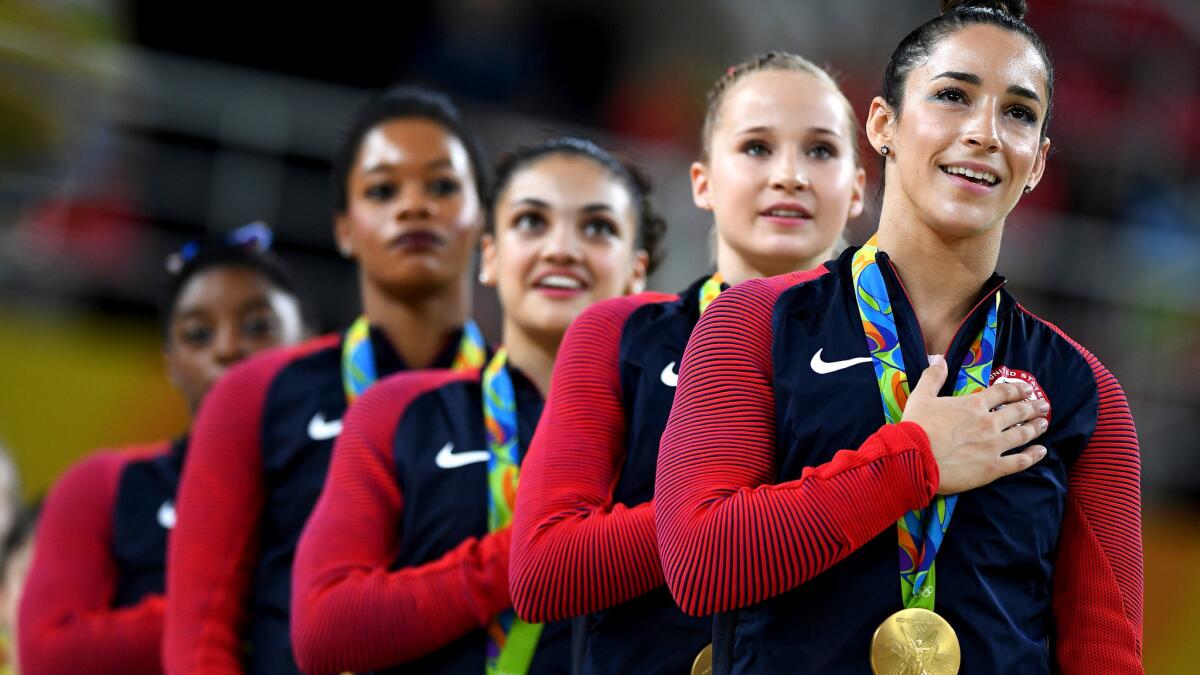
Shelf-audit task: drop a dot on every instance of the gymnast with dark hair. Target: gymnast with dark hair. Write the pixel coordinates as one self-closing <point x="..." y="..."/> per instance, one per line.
<point x="407" y="186"/>
<point x="94" y="600"/>
<point x="888" y="464"/>
<point x="403" y="566"/>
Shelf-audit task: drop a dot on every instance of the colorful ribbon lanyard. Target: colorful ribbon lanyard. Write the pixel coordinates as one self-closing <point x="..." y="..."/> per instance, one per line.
<point x="920" y="531"/>
<point x="710" y="290"/>
<point x="511" y="642"/>
<point x="358" y="357"/>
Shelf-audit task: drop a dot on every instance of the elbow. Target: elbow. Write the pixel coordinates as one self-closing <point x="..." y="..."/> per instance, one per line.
<point x="313" y="644"/>
<point x="312" y="631"/>
<point x="682" y="587"/>
<point x="684" y="562"/>
<point x="524" y="575"/>
<point x="523" y="586"/>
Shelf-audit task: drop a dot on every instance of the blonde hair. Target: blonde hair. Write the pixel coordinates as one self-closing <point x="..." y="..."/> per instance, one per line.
<point x="785" y="61"/>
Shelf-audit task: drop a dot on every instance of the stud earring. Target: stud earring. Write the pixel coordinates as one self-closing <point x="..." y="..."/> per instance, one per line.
<point x="885" y="150"/>
<point x="1027" y="189"/>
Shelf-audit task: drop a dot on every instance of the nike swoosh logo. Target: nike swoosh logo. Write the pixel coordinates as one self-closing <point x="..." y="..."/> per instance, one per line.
<point x="320" y="430"/>
<point x="446" y="459"/>
<point x="670" y="376"/>
<point x="166" y="514"/>
<point x="825" y="367"/>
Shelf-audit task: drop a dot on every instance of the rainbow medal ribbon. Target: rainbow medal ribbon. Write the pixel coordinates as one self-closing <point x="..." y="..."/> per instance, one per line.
<point x="358" y="357"/>
<point x="511" y="641"/>
<point x="914" y="639"/>
<point x="709" y="291"/>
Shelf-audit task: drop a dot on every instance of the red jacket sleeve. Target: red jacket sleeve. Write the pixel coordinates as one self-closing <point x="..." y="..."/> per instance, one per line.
<point x="213" y="548"/>
<point x="1098" y="574"/>
<point x="349" y="611"/>
<point x="729" y="536"/>
<point x="67" y="623"/>
<point x="574" y="551"/>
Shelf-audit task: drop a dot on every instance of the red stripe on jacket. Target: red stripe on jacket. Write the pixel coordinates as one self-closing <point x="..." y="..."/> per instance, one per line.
<point x="349" y="610"/>
<point x="1098" y="577"/>
<point x="66" y="620"/>
<point x="574" y="550"/>
<point x="729" y="535"/>
<point x="214" y="546"/>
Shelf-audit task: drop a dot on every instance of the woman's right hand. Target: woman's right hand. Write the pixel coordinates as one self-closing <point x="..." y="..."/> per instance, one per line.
<point x="969" y="435"/>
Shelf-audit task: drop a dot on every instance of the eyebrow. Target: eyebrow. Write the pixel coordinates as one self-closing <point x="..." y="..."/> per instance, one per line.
<point x="532" y="201"/>
<point x="969" y="78"/>
<point x="761" y="129"/>
<point x="257" y="302"/>
<point x="972" y="78"/>
<point x="439" y="163"/>
<point x="537" y="203"/>
<point x="1018" y="90"/>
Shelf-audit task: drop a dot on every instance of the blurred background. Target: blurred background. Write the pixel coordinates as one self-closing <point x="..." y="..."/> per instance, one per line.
<point x="130" y="127"/>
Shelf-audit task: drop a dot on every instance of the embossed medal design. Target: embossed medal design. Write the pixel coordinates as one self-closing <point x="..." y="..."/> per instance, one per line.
<point x="915" y="641"/>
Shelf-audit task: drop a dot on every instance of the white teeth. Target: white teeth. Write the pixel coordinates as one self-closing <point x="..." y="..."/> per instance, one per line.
<point x="977" y="175"/>
<point x="561" y="281"/>
<point x="786" y="213"/>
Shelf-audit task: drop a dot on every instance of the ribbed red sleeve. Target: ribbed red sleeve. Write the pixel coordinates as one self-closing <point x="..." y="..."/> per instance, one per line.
<point x="67" y="623"/>
<point x="729" y="536"/>
<point x="214" y="546"/>
<point x="349" y="611"/>
<point x="574" y="551"/>
<point x="1098" y="573"/>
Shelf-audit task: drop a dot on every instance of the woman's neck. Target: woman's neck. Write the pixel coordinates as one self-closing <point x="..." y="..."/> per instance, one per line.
<point x="735" y="268"/>
<point x="942" y="275"/>
<point x="533" y="355"/>
<point x="418" y="328"/>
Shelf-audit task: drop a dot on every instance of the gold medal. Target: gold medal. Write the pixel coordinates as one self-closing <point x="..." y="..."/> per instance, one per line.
<point x="914" y="641"/>
<point x="703" y="663"/>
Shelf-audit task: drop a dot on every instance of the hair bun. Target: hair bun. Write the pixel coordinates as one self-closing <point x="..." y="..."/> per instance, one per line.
<point x="1014" y="8"/>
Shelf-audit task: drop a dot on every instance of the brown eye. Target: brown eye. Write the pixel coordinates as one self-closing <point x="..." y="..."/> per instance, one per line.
<point x="260" y="326"/>
<point x="952" y="95"/>
<point x="444" y="187"/>
<point x="1022" y="114"/>
<point x="529" y="222"/>
<point x="599" y="227"/>
<point x="381" y="192"/>
<point x="195" y="336"/>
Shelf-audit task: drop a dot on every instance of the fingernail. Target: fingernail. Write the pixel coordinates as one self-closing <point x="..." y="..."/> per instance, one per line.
<point x="1043" y="406"/>
<point x="1026" y="389"/>
<point x="937" y="360"/>
<point x="1042" y="423"/>
<point x="1041" y="453"/>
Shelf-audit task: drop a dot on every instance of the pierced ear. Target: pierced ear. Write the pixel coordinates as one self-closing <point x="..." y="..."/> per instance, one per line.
<point x="1039" y="164"/>
<point x="487" y="260"/>
<point x="856" y="198"/>
<point x="637" y="280"/>
<point x="880" y="120"/>
<point x="701" y="196"/>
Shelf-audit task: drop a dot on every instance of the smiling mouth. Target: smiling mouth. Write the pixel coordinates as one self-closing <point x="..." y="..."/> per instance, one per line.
<point x="978" y="177"/>
<point x="559" y="282"/>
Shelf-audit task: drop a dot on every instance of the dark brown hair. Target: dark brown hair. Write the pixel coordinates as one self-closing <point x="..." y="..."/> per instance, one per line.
<point x="956" y="14"/>
<point x="651" y="227"/>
